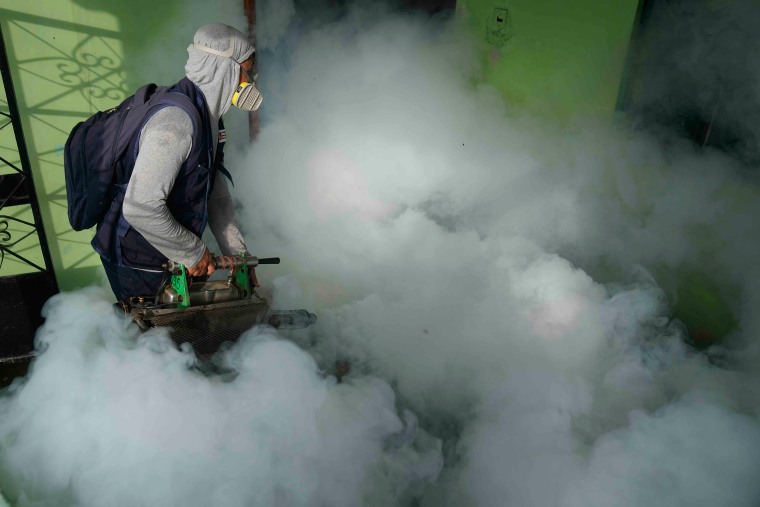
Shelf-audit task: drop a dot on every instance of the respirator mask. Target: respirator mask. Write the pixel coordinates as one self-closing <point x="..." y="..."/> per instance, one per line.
<point x="247" y="97"/>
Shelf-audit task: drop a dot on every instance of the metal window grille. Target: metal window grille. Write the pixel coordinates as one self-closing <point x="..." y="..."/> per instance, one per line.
<point x="21" y="295"/>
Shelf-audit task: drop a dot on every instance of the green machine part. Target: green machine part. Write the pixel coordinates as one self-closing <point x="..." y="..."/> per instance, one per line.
<point x="239" y="273"/>
<point x="242" y="279"/>
<point x="179" y="284"/>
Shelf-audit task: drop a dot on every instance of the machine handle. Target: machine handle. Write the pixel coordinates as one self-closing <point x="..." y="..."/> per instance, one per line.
<point x="229" y="261"/>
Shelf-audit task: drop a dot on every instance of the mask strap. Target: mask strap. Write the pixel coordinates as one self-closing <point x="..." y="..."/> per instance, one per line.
<point x="226" y="54"/>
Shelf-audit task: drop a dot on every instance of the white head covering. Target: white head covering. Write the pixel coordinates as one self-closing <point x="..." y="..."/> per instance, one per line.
<point x="214" y="64"/>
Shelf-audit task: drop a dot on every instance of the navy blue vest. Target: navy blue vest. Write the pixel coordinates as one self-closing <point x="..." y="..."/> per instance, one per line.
<point x="115" y="240"/>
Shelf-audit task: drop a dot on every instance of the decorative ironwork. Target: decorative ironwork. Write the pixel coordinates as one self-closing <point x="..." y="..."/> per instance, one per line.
<point x="16" y="187"/>
<point x="6" y="245"/>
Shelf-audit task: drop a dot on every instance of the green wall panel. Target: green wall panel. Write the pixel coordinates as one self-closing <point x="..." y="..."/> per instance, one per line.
<point x="64" y="65"/>
<point x="554" y="57"/>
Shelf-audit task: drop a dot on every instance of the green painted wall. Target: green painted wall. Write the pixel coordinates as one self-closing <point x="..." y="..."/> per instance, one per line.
<point x="64" y="64"/>
<point x="70" y="58"/>
<point x="554" y="57"/>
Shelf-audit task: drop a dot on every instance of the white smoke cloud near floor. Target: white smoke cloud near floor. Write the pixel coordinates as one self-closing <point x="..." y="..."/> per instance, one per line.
<point x="107" y="418"/>
<point x="450" y="246"/>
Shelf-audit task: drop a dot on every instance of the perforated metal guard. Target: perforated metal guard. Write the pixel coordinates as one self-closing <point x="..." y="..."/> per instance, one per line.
<point x="207" y="327"/>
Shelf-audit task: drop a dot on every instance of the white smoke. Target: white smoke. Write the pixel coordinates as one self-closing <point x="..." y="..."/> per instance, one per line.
<point x="440" y="236"/>
<point x="277" y="16"/>
<point x="106" y="418"/>
<point x="493" y="279"/>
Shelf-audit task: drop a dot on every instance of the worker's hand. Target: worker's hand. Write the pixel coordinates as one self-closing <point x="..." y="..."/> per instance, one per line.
<point x="204" y="267"/>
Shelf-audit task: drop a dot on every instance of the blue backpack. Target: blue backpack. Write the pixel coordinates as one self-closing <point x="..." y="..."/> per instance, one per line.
<point x="96" y="146"/>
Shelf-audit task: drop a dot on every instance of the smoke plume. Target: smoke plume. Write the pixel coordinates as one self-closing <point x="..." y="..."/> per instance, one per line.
<point x="498" y="283"/>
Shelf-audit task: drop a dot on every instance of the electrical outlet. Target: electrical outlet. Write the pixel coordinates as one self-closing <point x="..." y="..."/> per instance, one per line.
<point x="499" y="27"/>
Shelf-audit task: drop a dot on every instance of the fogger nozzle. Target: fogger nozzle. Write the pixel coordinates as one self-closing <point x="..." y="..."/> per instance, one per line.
<point x="231" y="261"/>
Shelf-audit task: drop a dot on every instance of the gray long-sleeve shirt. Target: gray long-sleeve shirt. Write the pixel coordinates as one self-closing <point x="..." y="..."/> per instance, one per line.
<point x="165" y="143"/>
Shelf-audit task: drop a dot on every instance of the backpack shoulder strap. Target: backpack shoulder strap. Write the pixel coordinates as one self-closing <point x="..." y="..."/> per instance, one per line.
<point x="160" y="99"/>
<point x="144" y="94"/>
<point x="183" y="102"/>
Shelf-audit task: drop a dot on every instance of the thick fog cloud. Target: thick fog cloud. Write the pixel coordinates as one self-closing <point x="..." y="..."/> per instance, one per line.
<point x="496" y="281"/>
<point x="278" y="16"/>
<point x="451" y="245"/>
<point x="107" y="418"/>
